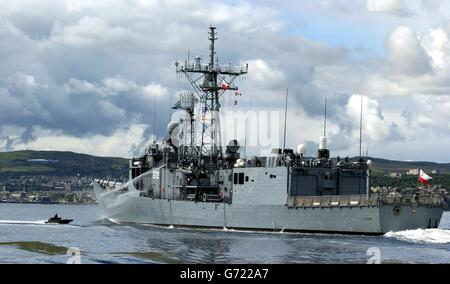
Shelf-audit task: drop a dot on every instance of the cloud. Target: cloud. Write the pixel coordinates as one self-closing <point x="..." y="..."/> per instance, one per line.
<point x="343" y="128"/>
<point x="436" y="44"/>
<point x="83" y="72"/>
<point x="414" y="64"/>
<point x="345" y="6"/>
<point x="93" y="68"/>
<point x="344" y="136"/>
<point x="77" y="108"/>
<point x="90" y="31"/>
<point x="406" y="54"/>
<point x="375" y="126"/>
<point x="121" y="143"/>
<point x="433" y="118"/>
<point x="396" y="7"/>
<point x="431" y="5"/>
<point x="263" y="74"/>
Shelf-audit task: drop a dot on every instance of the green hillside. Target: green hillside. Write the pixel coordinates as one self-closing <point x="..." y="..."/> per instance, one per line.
<point x="387" y="166"/>
<point x="60" y="164"/>
<point x="384" y="166"/>
<point x="56" y="163"/>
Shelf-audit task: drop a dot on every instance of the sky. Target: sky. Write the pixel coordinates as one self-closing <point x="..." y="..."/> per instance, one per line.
<point x="83" y="76"/>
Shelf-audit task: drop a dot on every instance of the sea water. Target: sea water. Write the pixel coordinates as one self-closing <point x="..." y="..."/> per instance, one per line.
<point x="25" y="238"/>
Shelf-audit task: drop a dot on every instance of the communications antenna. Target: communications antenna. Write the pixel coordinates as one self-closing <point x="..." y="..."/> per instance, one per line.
<point x="210" y="82"/>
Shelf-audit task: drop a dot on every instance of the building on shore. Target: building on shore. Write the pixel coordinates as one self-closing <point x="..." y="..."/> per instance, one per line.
<point x="415" y="172"/>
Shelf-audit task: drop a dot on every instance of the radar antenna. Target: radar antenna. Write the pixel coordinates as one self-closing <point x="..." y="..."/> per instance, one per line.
<point x="205" y="79"/>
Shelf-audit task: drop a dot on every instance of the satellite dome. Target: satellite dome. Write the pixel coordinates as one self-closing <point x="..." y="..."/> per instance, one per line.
<point x="301" y="149"/>
<point x="233" y="146"/>
<point x="171" y="127"/>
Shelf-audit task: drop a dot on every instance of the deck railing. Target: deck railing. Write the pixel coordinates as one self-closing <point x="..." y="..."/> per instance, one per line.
<point x="374" y="200"/>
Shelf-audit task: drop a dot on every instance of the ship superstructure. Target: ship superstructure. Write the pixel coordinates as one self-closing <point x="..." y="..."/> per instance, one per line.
<point x="190" y="179"/>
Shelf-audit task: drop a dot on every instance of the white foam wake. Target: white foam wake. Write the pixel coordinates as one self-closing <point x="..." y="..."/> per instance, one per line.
<point x="19" y="222"/>
<point x="112" y="220"/>
<point x="431" y="236"/>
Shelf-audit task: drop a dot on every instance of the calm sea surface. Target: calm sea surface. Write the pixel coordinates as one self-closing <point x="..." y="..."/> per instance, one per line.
<point x="25" y="238"/>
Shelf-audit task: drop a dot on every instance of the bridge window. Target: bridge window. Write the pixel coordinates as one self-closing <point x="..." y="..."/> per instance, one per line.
<point x="241" y="178"/>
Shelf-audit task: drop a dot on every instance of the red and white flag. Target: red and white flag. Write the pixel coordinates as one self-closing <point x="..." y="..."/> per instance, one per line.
<point x="424" y="178"/>
<point x="225" y="85"/>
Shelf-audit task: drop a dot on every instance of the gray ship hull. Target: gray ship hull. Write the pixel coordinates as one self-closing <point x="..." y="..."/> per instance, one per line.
<point x="130" y="207"/>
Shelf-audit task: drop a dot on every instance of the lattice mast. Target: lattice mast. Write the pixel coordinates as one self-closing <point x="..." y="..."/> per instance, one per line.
<point x="210" y="82"/>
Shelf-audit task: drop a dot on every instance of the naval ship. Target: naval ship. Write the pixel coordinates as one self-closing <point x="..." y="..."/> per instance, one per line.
<point x="200" y="183"/>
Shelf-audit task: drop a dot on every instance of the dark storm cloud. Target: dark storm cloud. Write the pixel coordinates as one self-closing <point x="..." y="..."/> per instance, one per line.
<point x="52" y="107"/>
<point x="79" y="49"/>
<point x="94" y="67"/>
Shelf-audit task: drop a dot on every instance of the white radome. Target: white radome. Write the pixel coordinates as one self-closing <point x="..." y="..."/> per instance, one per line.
<point x="239" y="163"/>
<point x="301" y="149"/>
<point x="171" y="126"/>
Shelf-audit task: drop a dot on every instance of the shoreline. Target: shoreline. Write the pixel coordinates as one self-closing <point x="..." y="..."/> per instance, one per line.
<point x="39" y="203"/>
